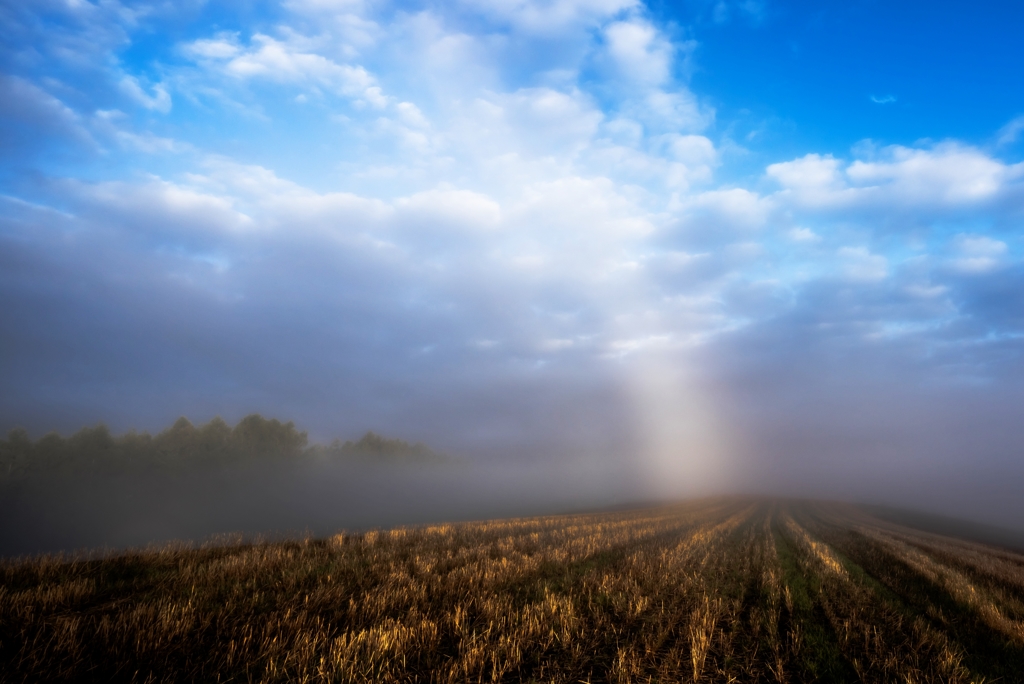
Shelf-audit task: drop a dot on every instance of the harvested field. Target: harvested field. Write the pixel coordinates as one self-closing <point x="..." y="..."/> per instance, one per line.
<point x="711" y="591"/>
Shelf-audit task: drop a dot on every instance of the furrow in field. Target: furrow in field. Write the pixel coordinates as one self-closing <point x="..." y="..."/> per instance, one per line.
<point x="875" y="639"/>
<point x="932" y="612"/>
<point x="683" y="626"/>
<point x="956" y="583"/>
<point x="997" y="573"/>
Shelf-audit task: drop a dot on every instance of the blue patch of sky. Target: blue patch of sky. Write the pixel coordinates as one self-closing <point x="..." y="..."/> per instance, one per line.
<point x="799" y="74"/>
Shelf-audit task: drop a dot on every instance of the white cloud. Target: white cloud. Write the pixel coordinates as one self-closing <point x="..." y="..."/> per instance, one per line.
<point x="644" y="66"/>
<point x="949" y="174"/>
<point x="946" y="175"/>
<point x="640" y="52"/>
<point x="411" y="115"/>
<point x="725" y="212"/>
<point x="586" y="216"/>
<point x="692" y="150"/>
<point x="223" y="47"/>
<point x="159" y="101"/>
<point x="528" y="123"/>
<point x="1010" y="133"/>
<point x="678" y="110"/>
<point x="163" y="208"/>
<point x="550" y="16"/>
<point x="978" y="253"/>
<point x="347" y="28"/>
<point x="283" y="62"/>
<point x="815" y="179"/>
<point x="860" y="265"/>
<point x="624" y="131"/>
<point x="447" y="211"/>
<point x="451" y="64"/>
<point x="551" y="119"/>
<point x="800" y="234"/>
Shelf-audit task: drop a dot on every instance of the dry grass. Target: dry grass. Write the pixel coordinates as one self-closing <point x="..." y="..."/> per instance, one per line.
<point x="713" y="591"/>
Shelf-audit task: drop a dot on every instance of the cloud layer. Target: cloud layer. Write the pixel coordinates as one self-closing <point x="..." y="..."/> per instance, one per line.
<point x="510" y="229"/>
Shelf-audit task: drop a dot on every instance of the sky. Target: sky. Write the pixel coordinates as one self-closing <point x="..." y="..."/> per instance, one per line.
<point x="700" y="245"/>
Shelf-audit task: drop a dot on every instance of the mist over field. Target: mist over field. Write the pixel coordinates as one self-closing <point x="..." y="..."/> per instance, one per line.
<point x="595" y="251"/>
<point x="208" y="483"/>
<point x="274" y="502"/>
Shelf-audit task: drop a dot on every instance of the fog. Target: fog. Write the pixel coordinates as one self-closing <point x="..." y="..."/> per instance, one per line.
<point x="280" y="500"/>
<point x="866" y="430"/>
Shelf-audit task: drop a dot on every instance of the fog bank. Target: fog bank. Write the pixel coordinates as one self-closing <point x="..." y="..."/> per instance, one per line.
<point x="55" y="513"/>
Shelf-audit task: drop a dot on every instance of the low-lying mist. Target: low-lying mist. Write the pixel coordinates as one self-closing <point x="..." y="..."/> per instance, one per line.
<point x="260" y="478"/>
<point x="54" y="513"/>
<point x="939" y="453"/>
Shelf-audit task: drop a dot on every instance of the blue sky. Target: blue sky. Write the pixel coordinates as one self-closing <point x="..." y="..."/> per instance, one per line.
<point x="714" y="243"/>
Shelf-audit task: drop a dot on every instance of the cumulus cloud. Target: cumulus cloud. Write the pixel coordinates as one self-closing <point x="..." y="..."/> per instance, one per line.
<point x="716" y="217"/>
<point x="949" y="175"/>
<point x="692" y="150"/>
<point x="160" y="213"/>
<point x="639" y="52"/>
<point x="448" y="211"/>
<point x="287" y="63"/>
<point x="538" y="121"/>
<point x="813" y="179"/>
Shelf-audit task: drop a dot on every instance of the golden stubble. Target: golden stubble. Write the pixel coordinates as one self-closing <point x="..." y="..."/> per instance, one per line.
<point x="721" y="590"/>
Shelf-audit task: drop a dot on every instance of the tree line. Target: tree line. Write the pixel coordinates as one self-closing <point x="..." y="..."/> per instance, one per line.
<point x="184" y="445"/>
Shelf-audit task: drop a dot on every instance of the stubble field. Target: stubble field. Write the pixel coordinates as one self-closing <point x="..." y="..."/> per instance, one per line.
<point x="709" y="591"/>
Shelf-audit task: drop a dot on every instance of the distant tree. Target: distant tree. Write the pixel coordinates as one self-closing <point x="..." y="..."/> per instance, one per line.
<point x="214" y="437"/>
<point x="177" y="441"/>
<point x="135" y="444"/>
<point x="184" y="445"/>
<point x="15" y="451"/>
<point x="256" y="435"/>
<point x="94" y="446"/>
<point x="374" y="448"/>
<point x="49" y="451"/>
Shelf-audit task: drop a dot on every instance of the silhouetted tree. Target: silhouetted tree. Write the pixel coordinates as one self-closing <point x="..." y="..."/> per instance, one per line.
<point x="185" y="445"/>
<point x="15" y="451"/>
<point x="371" y="447"/>
<point x="256" y="435"/>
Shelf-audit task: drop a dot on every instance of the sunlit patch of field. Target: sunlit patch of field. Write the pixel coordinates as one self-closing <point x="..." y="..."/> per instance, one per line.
<point x="712" y="591"/>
